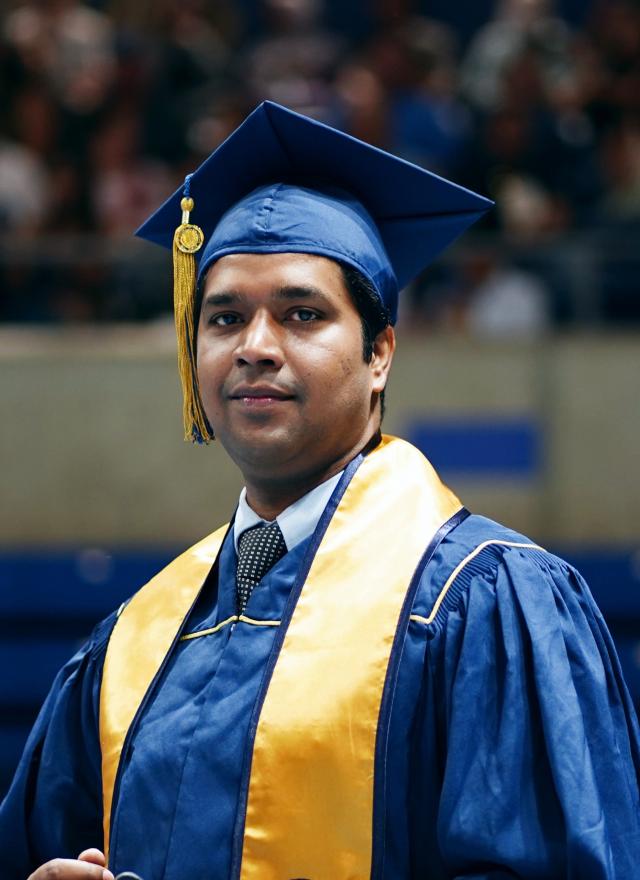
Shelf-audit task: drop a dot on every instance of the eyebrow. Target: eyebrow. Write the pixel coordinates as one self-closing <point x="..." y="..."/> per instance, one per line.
<point x="225" y="298"/>
<point x="288" y="292"/>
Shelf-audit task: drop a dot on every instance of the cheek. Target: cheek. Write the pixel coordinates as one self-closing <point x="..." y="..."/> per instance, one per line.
<point x="210" y="369"/>
<point x="202" y="366"/>
<point x="348" y="367"/>
<point x="341" y="381"/>
<point x="211" y="355"/>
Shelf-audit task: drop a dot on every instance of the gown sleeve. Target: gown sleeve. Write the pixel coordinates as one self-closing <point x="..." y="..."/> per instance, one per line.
<point x="53" y="808"/>
<point x="540" y="761"/>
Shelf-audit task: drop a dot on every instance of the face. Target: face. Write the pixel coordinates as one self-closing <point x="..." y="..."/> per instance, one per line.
<point x="280" y="366"/>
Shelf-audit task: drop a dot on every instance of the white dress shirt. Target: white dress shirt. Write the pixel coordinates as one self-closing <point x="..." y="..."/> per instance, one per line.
<point x="296" y="522"/>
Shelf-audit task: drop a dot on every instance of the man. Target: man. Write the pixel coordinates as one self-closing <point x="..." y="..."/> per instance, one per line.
<point x="408" y="691"/>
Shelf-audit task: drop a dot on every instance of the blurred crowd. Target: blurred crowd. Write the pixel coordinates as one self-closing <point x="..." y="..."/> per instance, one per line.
<point x="104" y="106"/>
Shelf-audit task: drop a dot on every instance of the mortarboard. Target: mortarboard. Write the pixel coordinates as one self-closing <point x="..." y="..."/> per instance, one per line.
<point x="282" y="182"/>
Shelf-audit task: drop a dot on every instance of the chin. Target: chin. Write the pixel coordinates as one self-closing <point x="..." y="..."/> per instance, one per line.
<point x="263" y="448"/>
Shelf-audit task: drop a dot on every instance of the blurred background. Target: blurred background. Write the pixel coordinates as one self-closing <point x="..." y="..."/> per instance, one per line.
<point x="518" y="366"/>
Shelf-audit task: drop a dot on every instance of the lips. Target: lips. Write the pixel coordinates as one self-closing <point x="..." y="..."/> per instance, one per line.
<point x="260" y="395"/>
<point x="258" y="392"/>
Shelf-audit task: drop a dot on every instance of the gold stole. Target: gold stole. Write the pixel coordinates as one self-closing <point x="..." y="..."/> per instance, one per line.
<point x="310" y="799"/>
<point x="141" y="639"/>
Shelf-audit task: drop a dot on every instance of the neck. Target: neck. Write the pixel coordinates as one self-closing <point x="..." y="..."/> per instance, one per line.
<point x="268" y="498"/>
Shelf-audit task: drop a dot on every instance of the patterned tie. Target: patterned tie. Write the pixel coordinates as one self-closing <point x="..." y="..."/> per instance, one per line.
<point x="259" y="549"/>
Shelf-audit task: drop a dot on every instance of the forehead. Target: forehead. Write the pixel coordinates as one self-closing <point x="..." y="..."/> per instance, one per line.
<point x="266" y="273"/>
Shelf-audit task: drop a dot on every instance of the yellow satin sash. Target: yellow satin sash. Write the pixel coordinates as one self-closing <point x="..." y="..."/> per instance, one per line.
<point x="139" y="643"/>
<point x="310" y="803"/>
<point x="310" y="799"/>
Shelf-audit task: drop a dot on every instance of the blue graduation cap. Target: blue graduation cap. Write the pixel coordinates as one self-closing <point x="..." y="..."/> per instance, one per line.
<point x="282" y="182"/>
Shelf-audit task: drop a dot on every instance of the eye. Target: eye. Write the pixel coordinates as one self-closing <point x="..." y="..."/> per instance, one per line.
<point x="304" y="315"/>
<point x="224" y="319"/>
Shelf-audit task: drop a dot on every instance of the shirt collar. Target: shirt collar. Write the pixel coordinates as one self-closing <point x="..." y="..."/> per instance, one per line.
<point x="296" y="522"/>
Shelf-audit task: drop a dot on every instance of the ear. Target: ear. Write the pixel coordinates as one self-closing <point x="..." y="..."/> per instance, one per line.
<point x="383" y="349"/>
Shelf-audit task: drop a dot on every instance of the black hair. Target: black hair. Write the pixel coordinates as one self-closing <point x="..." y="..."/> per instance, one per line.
<point x="197" y="302"/>
<point x="373" y="313"/>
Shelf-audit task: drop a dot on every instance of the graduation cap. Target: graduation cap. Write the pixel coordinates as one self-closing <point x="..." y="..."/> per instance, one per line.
<point x="285" y="183"/>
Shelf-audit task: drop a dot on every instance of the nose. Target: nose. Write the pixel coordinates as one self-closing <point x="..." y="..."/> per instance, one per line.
<point x="260" y="344"/>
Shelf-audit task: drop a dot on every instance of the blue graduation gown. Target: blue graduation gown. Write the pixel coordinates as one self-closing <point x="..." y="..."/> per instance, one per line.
<point x="513" y="748"/>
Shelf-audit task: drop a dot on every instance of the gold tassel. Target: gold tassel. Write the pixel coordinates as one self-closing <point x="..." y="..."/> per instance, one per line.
<point x="187" y="240"/>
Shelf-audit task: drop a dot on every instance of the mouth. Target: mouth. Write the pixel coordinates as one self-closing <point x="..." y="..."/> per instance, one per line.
<point x="260" y="396"/>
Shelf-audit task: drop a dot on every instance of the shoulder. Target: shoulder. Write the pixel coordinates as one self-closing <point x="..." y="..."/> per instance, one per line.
<point x="477" y="555"/>
<point x="187" y="571"/>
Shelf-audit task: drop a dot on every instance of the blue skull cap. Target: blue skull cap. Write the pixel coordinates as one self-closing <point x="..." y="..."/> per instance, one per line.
<point x="285" y="218"/>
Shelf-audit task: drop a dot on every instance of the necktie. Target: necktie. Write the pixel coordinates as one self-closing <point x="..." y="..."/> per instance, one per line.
<point x="259" y="549"/>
